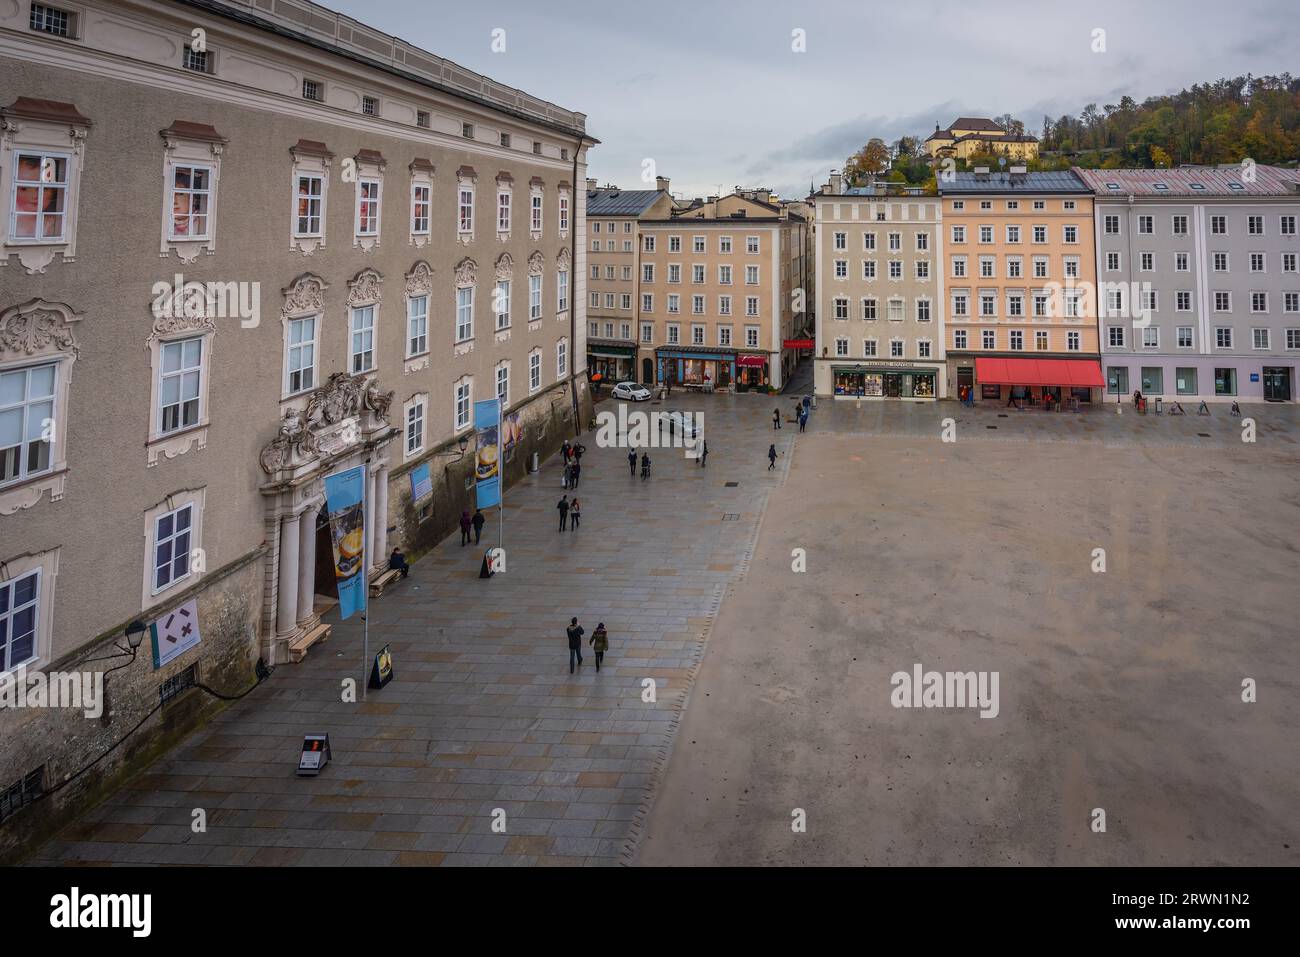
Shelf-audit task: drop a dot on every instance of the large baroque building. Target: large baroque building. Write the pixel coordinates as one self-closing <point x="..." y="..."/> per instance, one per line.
<point x="721" y="291"/>
<point x="1201" y="291"/>
<point x="247" y="245"/>
<point x="880" y="288"/>
<point x="979" y="136"/>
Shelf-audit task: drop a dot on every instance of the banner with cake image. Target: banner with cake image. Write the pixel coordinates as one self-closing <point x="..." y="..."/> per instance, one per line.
<point x="345" y="502"/>
<point x="487" y="421"/>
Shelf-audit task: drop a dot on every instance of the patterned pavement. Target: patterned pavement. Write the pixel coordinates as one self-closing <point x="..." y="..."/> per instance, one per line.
<point x="482" y="713"/>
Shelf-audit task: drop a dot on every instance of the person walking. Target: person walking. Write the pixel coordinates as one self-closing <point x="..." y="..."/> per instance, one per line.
<point x="575" y="633"/>
<point x="563" y="506"/>
<point x="599" y="643"/>
<point x="776" y="418"/>
<point x="575" y="514"/>
<point x="465" y="525"/>
<point x="631" y="463"/>
<point x="704" y="453"/>
<point x="645" y="466"/>
<point x="575" y="473"/>
<point x="771" y="457"/>
<point x="577" y="452"/>
<point x="479" y="519"/>
<point x="803" y="419"/>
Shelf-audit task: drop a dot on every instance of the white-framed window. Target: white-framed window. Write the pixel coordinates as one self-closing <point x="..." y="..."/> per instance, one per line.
<point x="674" y="303"/>
<point x="697" y="305"/>
<point x="180" y="384"/>
<point x="1073" y="341"/>
<point x="420" y="209"/>
<point x="959" y="338"/>
<point x="561" y="358"/>
<point x="841" y="241"/>
<point x="841" y="347"/>
<point x="1017" y="340"/>
<point x="1286" y="225"/>
<point x="697" y="335"/>
<point x="647" y="243"/>
<point x="1184" y="337"/>
<point x="751" y="275"/>
<point x="724" y="335"/>
<point x="191" y="196"/>
<point x="751" y="244"/>
<point x="361" y="347"/>
<point x="561" y="290"/>
<point x="724" y="275"/>
<point x="674" y="244"/>
<point x="1038" y="234"/>
<point x="674" y="273"/>
<point x="534" y="298"/>
<point x="300" y="360"/>
<point x="894" y="310"/>
<point x="989" y="339"/>
<point x="697" y="244"/>
<point x="417" y="325"/>
<point x="923" y="348"/>
<point x="724" y="244"/>
<point x="648" y="271"/>
<point x="1110" y="224"/>
<point x="1255" y="225"/>
<point x="501" y="303"/>
<point x="535" y="370"/>
<point x="841" y="308"/>
<point x="1259" y="302"/>
<point x="868" y="269"/>
<point x="959" y="267"/>
<point x="1223" y="301"/>
<point x="28" y="422"/>
<point x="464" y="313"/>
<point x="465" y="209"/>
<point x="564" y="212"/>
<point x="868" y="242"/>
<point x="647" y="332"/>
<point x="923" y="310"/>
<point x="1115" y="336"/>
<point x="26" y="600"/>
<point x="674" y="334"/>
<point x="958" y="234"/>
<point x="1223" y="337"/>
<point x="986" y="234"/>
<point x="535" y="211"/>
<point x="462" y="403"/>
<point x="697" y="274"/>
<point x="841" y="269"/>
<point x="368" y="206"/>
<point x="751" y="337"/>
<point x="39" y="196"/>
<point x="173" y="542"/>
<point x="869" y="348"/>
<point x="1150" y="337"/>
<point x="896" y="348"/>
<point x="751" y="306"/>
<point x="415" y="426"/>
<point x="1260" y="339"/>
<point x="504" y="199"/>
<point x="309" y="220"/>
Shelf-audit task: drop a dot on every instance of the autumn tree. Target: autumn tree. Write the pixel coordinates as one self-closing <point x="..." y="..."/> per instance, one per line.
<point x="867" y="162"/>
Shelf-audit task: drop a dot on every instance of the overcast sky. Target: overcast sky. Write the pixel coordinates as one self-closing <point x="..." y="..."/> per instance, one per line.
<point x="715" y="95"/>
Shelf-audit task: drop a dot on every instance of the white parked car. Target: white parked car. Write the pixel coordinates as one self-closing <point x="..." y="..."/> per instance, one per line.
<point x="689" y="425"/>
<point x="631" y="390"/>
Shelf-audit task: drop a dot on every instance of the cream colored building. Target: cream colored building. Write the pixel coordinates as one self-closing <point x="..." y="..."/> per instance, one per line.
<point x="880" y="293"/>
<point x="717" y="286"/>
<point x="614" y="270"/>
<point x="377" y="238"/>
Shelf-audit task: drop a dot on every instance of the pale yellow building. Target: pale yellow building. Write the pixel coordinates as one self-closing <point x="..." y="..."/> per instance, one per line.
<point x="978" y="136"/>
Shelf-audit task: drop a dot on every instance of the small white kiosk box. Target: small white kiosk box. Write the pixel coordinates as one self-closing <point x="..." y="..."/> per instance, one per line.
<point x="315" y="754"/>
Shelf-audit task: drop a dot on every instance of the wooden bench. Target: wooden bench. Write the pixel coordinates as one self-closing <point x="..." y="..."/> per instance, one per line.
<point x="298" y="647"/>
<point x="383" y="581"/>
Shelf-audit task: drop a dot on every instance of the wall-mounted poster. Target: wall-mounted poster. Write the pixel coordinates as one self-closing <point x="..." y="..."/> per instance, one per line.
<point x="175" y="632"/>
<point x="421" y="483"/>
<point x="345" y="502"/>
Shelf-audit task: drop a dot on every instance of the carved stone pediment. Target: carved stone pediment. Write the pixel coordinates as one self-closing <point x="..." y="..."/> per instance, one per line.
<point x="363" y="288"/>
<point x="304" y="296"/>
<point x="536" y="262"/>
<point x="505" y="267"/>
<point x="466" y="272"/>
<point x="562" y="258"/>
<point x="336" y="416"/>
<point x="38" y="328"/>
<point x="419" y="281"/>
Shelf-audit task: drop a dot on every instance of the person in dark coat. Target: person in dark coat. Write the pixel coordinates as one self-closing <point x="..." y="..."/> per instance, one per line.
<point x="575" y="472"/>
<point x="478" y="521"/>
<point x="577" y="451"/>
<point x="397" y="562"/>
<point x="466" y="523"/>
<point x="645" y="465"/>
<point x="631" y="463"/>
<point x="575" y="515"/>
<point x="771" y="457"/>
<point x="704" y="453"/>
<point x="600" y="643"/>
<point x="776" y="418"/>
<point x="575" y="633"/>
<point x="563" y="506"/>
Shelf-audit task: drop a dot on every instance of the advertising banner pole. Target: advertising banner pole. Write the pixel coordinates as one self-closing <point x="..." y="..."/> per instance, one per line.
<point x="365" y="584"/>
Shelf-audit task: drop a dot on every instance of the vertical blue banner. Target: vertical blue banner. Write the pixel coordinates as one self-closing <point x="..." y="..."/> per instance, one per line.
<point x="487" y="464"/>
<point x="345" y="502"/>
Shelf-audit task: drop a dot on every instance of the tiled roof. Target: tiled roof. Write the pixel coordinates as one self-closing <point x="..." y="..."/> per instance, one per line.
<point x="973" y="123"/>
<point x="998" y="138"/>
<point x="1192" y="181"/>
<point x="620" y="202"/>
<point x="1062" y="181"/>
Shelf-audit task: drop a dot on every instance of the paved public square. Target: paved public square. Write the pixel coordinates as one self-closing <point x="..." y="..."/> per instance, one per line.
<point x="1119" y="690"/>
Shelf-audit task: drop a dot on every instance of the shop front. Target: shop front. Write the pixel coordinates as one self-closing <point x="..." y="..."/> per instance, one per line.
<point x="751" y="371"/>
<point x="692" y="369"/>
<point x="1035" y="381"/>
<point x="614" y="362"/>
<point x="887" y="380"/>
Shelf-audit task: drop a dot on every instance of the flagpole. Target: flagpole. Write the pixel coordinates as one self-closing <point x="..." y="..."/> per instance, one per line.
<point x="501" y="476"/>
<point x="365" y="579"/>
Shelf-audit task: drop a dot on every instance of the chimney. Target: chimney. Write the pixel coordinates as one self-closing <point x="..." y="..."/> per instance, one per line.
<point x="837" y="182"/>
<point x="762" y="195"/>
<point x="591" y="184"/>
<point x="661" y="182"/>
<point x="712" y="199"/>
<point x="1017" y="174"/>
<point x="981" y="172"/>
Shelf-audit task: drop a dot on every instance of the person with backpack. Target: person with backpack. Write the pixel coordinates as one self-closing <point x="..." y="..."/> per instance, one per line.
<point x="599" y="643"/>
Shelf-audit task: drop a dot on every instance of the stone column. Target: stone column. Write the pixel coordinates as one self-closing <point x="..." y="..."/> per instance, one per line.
<point x="379" y="520"/>
<point x="286" y="618"/>
<point x="307" y="564"/>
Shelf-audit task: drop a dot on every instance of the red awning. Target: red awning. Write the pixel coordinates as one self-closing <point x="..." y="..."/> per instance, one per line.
<point x="1070" y="373"/>
<point x="799" y="344"/>
<point x="751" y="360"/>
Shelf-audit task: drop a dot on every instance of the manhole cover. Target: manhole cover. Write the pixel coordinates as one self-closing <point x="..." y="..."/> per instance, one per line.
<point x="731" y="517"/>
<point x="990" y="426"/>
<point x="732" y="485"/>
